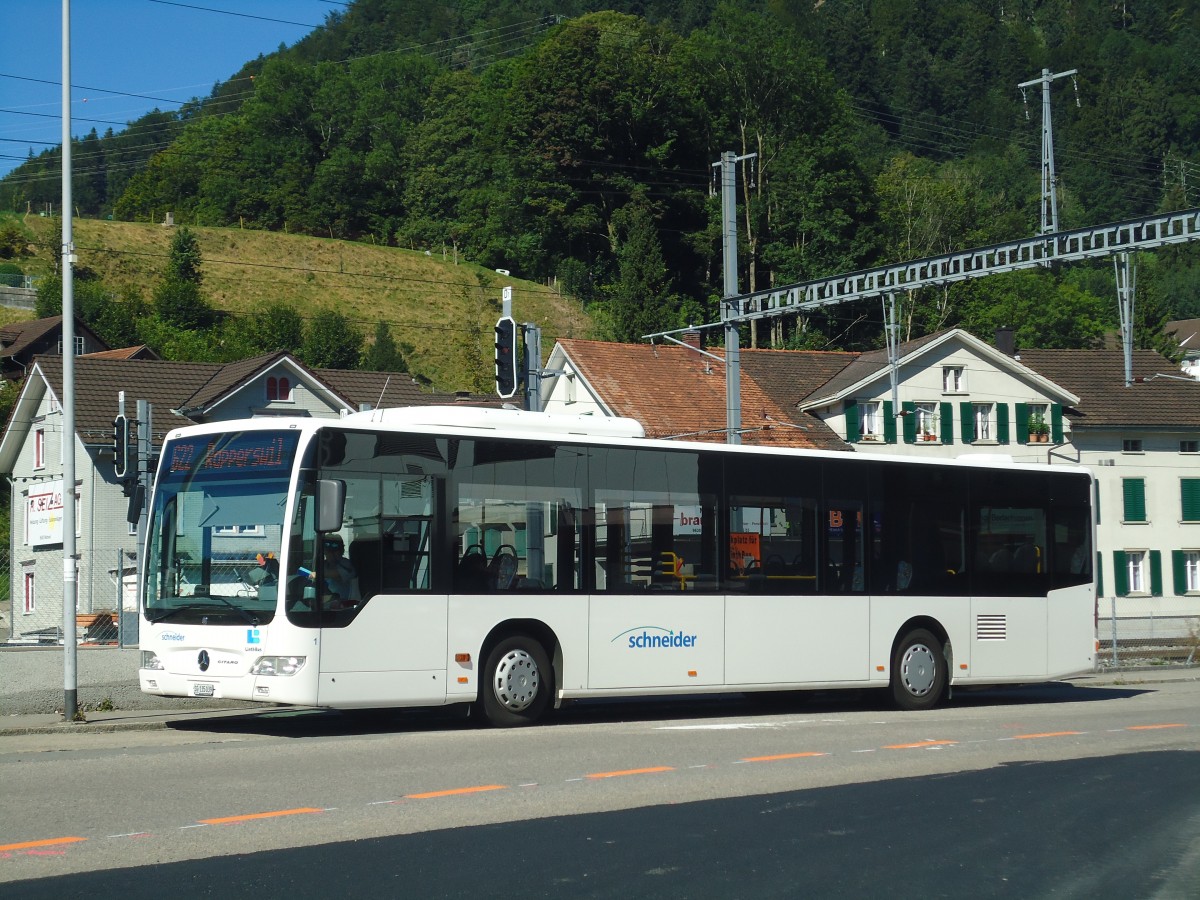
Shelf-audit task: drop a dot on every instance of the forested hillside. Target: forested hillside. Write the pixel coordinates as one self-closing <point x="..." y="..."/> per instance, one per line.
<point x="573" y="143"/>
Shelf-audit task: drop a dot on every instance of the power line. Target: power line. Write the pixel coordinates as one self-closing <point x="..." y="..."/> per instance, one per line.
<point x="226" y="12"/>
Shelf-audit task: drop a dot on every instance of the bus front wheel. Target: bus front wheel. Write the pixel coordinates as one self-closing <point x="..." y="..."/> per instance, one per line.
<point x="518" y="682"/>
<point x="918" y="671"/>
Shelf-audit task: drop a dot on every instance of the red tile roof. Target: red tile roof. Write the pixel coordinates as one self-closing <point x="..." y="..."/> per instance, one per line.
<point x="676" y="392"/>
<point x="1160" y="397"/>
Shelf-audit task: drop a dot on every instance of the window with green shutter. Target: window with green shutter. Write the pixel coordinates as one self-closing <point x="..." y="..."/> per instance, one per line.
<point x="852" y="431"/>
<point x="1156" y="583"/>
<point x="1002" y="423"/>
<point x="1021" y="411"/>
<point x="1120" y="574"/>
<point x="947" y="423"/>
<point x="1185" y="569"/>
<point x="1133" y="492"/>
<point x="1189" y="496"/>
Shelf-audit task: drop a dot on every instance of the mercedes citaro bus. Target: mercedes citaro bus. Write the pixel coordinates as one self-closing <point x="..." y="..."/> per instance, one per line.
<point x="515" y="561"/>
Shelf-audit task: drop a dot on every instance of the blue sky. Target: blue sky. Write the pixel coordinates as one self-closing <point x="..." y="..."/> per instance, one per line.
<point x="172" y="51"/>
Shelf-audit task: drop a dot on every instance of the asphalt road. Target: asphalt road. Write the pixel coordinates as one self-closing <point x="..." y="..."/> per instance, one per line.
<point x="1052" y="791"/>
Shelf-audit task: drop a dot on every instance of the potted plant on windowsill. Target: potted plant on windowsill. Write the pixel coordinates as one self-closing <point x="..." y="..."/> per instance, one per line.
<point x="1039" y="431"/>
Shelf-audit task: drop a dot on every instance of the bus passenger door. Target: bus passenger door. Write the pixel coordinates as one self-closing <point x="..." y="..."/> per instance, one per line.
<point x="390" y="648"/>
<point x="798" y="610"/>
<point x="659" y="622"/>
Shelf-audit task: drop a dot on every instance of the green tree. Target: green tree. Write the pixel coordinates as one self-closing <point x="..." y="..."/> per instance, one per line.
<point x="1044" y="312"/>
<point x="641" y="300"/>
<point x="184" y="262"/>
<point x="383" y="355"/>
<point x="264" y="328"/>
<point x="177" y="299"/>
<point x="331" y="342"/>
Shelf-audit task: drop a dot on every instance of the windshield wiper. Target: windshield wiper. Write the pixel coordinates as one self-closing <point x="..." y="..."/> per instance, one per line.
<point x="196" y="607"/>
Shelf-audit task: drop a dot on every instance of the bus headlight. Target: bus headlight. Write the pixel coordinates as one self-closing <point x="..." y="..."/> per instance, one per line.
<point x="277" y="665"/>
<point x="150" y="660"/>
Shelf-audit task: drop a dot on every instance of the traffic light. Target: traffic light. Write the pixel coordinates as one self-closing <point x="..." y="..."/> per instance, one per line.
<point x="506" y="357"/>
<point x="121" y="446"/>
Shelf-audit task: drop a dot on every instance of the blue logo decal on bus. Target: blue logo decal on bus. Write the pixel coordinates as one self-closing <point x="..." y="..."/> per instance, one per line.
<point x="171" y="636"/>
<point x="253" y="636"/>
<point x="654" y="637"/>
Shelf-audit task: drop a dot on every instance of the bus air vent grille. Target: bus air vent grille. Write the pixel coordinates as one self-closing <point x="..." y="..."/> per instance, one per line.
<point x="991" y="628"/>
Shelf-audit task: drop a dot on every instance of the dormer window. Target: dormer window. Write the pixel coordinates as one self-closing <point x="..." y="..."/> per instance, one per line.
<point x="279" y="389"/>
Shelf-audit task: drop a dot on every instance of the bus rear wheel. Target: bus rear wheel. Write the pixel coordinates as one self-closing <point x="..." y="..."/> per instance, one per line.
<point x="518" y="682"/>
<point x="918" y="671"/>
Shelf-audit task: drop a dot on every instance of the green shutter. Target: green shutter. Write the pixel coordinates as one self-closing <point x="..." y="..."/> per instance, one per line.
<point x="1189" y="495"/>
<point x="852" y="430"/>
<point x="1133" y="491"/>
<point x="1179" y="571"/>
<point x="910" y="421"/>
<point x="1002" y="423"/>
<point x="1056" y="423"/>
<point x="1156" y="573"/>
<point x="1120" y="574"/>
<point x="1022" y="410"/>
<point x="947" y="423"/>
<point x="889" y="422"/>
<point x="967" y="417"/>
<point x="1099" y="574"/>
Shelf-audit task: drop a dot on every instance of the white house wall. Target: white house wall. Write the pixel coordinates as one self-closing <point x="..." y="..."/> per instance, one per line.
<point x="920" y="381"/>
<point x="1162" y="466"/>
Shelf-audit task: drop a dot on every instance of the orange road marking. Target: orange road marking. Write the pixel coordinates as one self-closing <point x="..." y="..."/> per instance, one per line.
<point x="650" y="771"/>
<point x="780" y="756"/>
<point x="1152" y="727"/>
<point x="49" y="842"/>
<point x="469" y="790"/>
<point x="1026" y="737"/>
<point x="919" y="744"/>
<point x="264" y="815"/>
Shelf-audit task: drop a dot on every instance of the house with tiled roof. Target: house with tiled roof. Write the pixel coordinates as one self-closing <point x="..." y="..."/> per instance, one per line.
<point x="678" y="392"/>
<point x="20" y="342"/>
<point x="947" y="394"/>
<point x="178" y="394"/>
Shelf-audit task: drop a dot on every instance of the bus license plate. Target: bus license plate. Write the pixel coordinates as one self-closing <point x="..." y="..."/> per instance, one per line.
<point x="203" y="690"/>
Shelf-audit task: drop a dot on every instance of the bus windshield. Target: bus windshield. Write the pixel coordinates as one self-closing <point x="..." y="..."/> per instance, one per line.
<point x="216" y="528"/>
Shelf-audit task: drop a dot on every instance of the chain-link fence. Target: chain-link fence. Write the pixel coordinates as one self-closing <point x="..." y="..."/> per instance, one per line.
<point x="31" y="602"/>
<point x="1139" y="631"/>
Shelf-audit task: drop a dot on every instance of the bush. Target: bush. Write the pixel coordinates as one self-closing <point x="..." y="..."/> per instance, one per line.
<point x="13" y="242"/>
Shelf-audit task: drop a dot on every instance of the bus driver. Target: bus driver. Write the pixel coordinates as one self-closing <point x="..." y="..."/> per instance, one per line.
<point x="341" y="580"/>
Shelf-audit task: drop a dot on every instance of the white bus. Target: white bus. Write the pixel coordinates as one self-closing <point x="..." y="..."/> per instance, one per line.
<point x="516" y="560"/>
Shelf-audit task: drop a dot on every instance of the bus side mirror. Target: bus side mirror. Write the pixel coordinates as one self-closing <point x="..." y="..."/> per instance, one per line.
<point x="331" y="504"/>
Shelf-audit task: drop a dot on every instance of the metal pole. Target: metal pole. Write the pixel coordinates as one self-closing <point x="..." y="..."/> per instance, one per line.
<point x="1049" y="181"/>
<point x="1126" y="275"/>
<point x="533" y="366"/>
<point x="733" y="356"/>
<point x="1113" y="604"/>
<point x="145" y="479"/>
<point x="70" y="586"/>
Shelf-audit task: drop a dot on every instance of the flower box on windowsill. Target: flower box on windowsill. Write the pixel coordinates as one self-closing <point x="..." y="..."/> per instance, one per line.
<point x="929" y="437"/>
<point x="869" y="437"/>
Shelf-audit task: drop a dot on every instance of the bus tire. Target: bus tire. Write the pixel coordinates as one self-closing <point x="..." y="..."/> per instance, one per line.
<point x="517" y="683"/>
<point x="918" y="671"/>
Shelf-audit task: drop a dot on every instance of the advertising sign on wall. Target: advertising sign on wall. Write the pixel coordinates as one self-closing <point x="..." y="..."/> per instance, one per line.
<point x="44" y="514"/>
